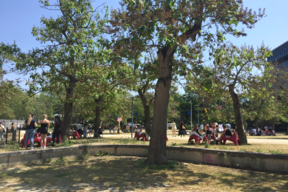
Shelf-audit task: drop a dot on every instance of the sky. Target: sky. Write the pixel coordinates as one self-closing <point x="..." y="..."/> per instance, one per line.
<point x="17" y="17"/>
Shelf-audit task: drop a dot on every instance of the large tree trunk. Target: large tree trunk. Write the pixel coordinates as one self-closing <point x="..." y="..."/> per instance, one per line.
<point x="68" y="108"/>
<point x="238" y="116"/>
<point x="157" y="147"/>
<point x="97" y="117"/>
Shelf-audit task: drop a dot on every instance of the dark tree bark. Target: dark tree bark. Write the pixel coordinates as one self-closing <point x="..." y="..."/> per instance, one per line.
<point x="238" y="116"/>
<point x="68" y="108"/>
<point x="256" y="121"/>
<point x="97" y="115"/>
<point x="157" y="147"/>
<point x="287" y="131"/>
<point x="146" y="106"/>
<point x="206" y="119"/>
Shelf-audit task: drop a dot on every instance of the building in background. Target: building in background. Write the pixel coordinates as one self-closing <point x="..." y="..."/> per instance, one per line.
<point x="280" y="55"/>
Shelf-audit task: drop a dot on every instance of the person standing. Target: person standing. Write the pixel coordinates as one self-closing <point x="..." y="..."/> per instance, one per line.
<point x="12" y="127"/>
<point x="2" y="131"/>
<point x="85" y="130"/>
<point x="57" y="129"/>
<point x="44" y="131"/>
<point x="30" y="125"/>
<point x="182" y="129"/>
<point x="174" y="128"/>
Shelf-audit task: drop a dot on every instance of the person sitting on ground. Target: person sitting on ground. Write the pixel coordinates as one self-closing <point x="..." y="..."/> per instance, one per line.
<point x="79" y="128"/>
<point x="226" y="133"/>
<point x="259" y="132"/>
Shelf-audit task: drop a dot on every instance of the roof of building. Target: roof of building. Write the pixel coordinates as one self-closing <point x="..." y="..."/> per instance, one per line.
<point x="279" y="46"/>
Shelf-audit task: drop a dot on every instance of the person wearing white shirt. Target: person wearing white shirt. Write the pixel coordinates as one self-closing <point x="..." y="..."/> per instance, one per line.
<point x="2" y="131"/>
<point x="174" y="128"/>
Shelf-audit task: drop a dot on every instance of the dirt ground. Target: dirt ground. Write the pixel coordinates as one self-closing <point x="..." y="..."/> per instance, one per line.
<point x="109" y="173"/>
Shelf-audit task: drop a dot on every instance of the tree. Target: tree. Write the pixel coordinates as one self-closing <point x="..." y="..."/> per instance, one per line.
<point x="71" y="41"/>
<point x="168" y="27"/>
<point x="234" y="68"/>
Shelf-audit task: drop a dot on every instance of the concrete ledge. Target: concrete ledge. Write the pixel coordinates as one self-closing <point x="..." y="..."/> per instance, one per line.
<point x="237" y="159"/>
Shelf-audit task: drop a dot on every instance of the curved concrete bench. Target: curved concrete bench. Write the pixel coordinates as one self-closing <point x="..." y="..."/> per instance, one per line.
<point x="237" y="159"/>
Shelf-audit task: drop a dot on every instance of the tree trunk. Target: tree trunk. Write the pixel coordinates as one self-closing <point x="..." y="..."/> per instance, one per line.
<point x="256" y="121"/>
<point x="146" y="106"/>
<point x="157" y="146"/>
<point x="97" y="117"/>
<point x="238" y="116"/>
<point x="206" y="119"/>
<point x="68" y="108"/>
<point x="287" y="131"/>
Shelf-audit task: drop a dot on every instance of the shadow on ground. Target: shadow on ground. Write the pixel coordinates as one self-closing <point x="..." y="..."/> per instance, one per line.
<point x="122" y="174"/>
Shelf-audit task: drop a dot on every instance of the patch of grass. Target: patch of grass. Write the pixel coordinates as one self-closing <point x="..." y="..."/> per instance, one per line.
<point x="61" y="161"/>
<point x="12" y="146"/>
<point x="103" y="153"/>
<point x="170" y="165"/>
<point x="83" y="157"/>
<point x="245" y="150"/>
<point x="66" y="143"/>
<point x="48" y="160"/>
<point x="276" y="152"/>
<point x="174" y="144"/>
<point x="259" y="150"/>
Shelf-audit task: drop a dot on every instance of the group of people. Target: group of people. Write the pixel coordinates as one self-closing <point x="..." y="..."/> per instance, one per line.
<point x="210" y="129"/>
<point x="140" y="131"/>
<point x="258" y="131"/>
<point x="31" y="126"/>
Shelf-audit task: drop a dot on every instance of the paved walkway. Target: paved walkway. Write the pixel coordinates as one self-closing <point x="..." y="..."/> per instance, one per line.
<point x="270" y="140"/>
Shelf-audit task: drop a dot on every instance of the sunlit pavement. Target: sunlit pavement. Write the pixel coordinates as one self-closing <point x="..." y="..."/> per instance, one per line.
<point x="270" y="140"/>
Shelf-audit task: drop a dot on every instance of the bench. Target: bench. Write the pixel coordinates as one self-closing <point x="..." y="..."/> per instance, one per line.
<point x="36" y="139"/>
<point x="197" y="139"/>
<point x="137" y="136"/>
<point x="234" y="138"/>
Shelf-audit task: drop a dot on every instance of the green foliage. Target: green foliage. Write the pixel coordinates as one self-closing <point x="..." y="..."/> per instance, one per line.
<point x="276" y="152"/>
<point x="103" y="153"/>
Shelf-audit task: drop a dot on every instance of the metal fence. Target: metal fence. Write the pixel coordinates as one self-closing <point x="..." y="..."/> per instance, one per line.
<point x="12" y="135"/>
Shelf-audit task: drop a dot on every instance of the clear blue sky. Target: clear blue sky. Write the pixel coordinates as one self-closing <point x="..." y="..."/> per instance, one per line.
<point x="17" y="17"/>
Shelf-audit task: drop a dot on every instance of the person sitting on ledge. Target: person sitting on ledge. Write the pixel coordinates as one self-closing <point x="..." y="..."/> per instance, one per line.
<point x="226" y="133"/>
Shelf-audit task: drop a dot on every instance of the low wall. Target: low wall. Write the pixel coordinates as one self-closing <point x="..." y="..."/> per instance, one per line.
<point x="244" y="160"/>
